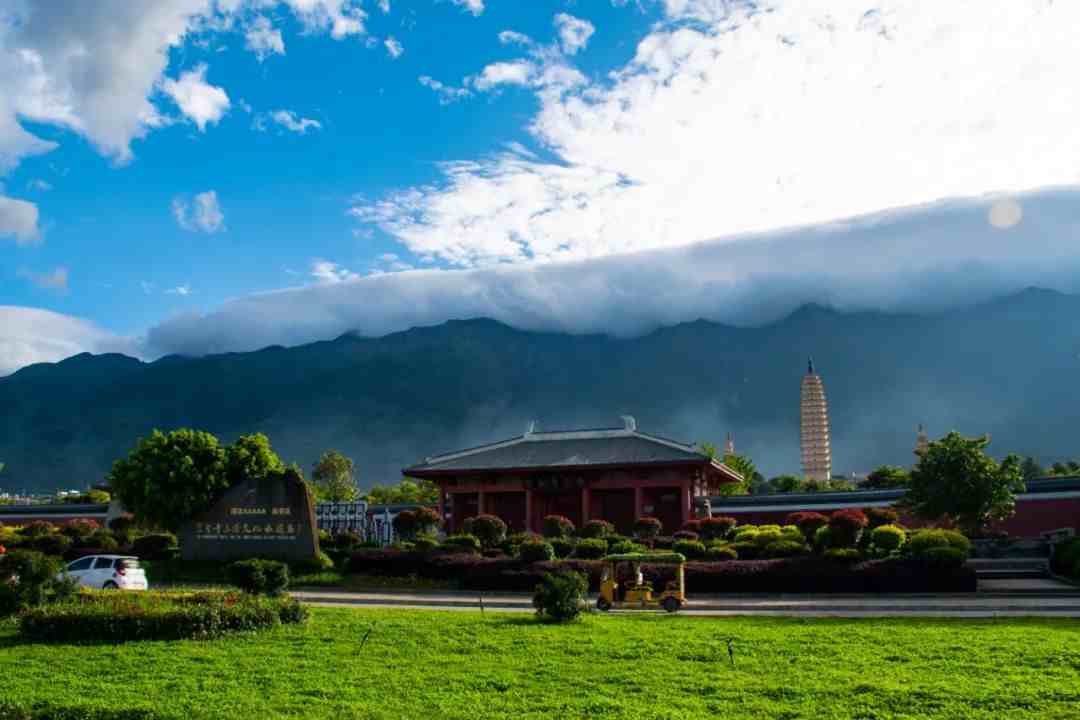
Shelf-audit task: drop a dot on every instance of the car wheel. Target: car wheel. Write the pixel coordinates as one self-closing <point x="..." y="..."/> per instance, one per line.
<point x="110" y="586"/>
<point x="603" y="604"/>
<point x="671" y="604"/>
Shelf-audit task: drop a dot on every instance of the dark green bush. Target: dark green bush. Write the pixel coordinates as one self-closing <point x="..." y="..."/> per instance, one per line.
<point x="556" y="526"/>
<point x="320" y="563"/>
<point x="685" y="535"/>
<point x="346" y="540"/>
<point x="29" y="579"/>
<point x="625" y="546"/>
<point x="54" y="544"/>
<point x="597" y="529"/>
<point x="719" y="553"/>
<point x="562" y="546"/>
<point x="692" y="549"/>
<point x="536" y="551"/>
<point x="122" y="524"/>
<point x="945" y="558"/>
<point x="121" y="617"/>
<point x="1066" y="558"/>
<point x="591" y="549"/>
<point x="783" y="549"/>
<point x="79" y="529"/>
<point x="37" y="528"/>
<point x="103" y="540"/>
<point x="878" y="516"/>
<point x="490" y="530"/>
<point x="462" y="544"/>
<point x="259" y="577"/>
<point x="923" y="541"/>
<point x="717" y="528"/>
<point x="560" y="597"/>
<point x="425" y="543"/>
<point x="157" y="546"/>
<point x="843" y="554"/>
<point x="823" y="538"/>
<point x="888" y="538"/>
<point x="647" y="528"/>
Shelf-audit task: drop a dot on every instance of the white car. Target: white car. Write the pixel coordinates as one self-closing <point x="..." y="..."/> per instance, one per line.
<point x="108" y="572"/>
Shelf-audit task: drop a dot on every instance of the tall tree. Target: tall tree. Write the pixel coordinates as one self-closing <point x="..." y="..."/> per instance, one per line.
<point x="887" y="476"/>
<point x="168" y="478"/>
<point x="333" y="478"/>
<point x="251" y="458"/>
<point x="741" y="464"/>
<point x="1031" y="469"/>
<point x="787" y="483"/>
<point x="955" y="478"/>
<point x="406" y="491"/>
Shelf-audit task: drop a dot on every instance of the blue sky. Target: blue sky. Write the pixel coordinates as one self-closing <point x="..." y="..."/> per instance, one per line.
<point x="174" y="173"/>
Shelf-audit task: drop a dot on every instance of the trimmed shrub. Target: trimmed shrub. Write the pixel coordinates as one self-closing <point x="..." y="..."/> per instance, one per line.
<point x="888" y="538"/>
<point x="783" y="549"/>
<point x="159" y="546"/>
<point x="404" y="524"/>
<point x="346" y="540"/>
<point x="747" y="549"/>
<point x="1065" y="559"/>
<point x="427" y="521"/>
<point x="878" y="516"/>
<point x="746" y="533"/>
<point x="923" y="541"/>
<point x="597" y="529"/>
<point x="846" y="527"/>
<point x="490" y="530"/>
<point x="557" y="526"/>
<point x="693" y="526"/>
<point x="767" y="535"/>
<point x="792" y="533"/>
<point x="425" y="543"/>
<point x="560" y="597"/>
<point x="462" y="543"/>
<point x="808" y="522"/>
<point x="37" y="528"/>
<point x="625" y="546"/>
<point x="29" y="579"/>
<point x="945" y="558"/>
<point x="717" y="528"/>
<point x="122" y="524"/>
<point x="685" y="535"/>
<point x="692" y="549"/>
<point x="721" y="552"/>
<point x="259" y="577"/>
<point x="55" y="544"/>
<point x="121" y="617"/>
<point x="320" y="563"/>
<point x="843" y="554"/>
<point x="562" y="546"/>
<point x="79" y="528"/>
<point x="536" y="551"/>
<point x="647" y="528"/>
<point x="823" y="538"/>
<point x="591" y="549"/>
<point x="103" y="539"/>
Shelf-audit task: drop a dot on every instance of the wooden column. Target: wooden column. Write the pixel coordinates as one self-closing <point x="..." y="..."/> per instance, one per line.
<point x="686" y="504"/>
<point x="528" y="510"/>
<point x="585" y="505"/>
<point x="442" y="506"/>
<point x="480" y="503"/>
<point x="638" y="498"/>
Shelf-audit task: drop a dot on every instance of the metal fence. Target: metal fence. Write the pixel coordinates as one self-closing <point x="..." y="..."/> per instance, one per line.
<point x="371" y="524"/>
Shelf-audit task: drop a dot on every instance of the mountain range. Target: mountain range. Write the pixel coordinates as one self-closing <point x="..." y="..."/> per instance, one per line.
<point x="1009" y="367"/>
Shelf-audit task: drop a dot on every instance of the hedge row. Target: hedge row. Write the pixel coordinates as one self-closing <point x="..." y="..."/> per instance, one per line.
<point x="809" y="574"/>
<point x="105" y="617"/>
<point x="12" y="710"/>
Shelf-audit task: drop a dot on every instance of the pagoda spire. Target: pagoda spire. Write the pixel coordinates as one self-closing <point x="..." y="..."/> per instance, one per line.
<point x="810" y="366"/>
<point x="729" y="446"/>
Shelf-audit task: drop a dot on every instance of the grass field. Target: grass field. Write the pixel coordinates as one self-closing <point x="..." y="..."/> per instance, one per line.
<point x="433" y="665"/>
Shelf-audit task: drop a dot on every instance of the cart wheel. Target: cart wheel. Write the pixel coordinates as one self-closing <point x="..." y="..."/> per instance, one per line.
<point x="671" y="604"/>
<point x="603" y="604"/>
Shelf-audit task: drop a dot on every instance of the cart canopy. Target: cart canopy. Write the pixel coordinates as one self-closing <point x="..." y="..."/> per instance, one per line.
<point x="656" y="558"/>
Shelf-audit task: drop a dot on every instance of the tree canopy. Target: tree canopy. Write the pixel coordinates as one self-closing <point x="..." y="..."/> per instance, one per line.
<point x="887" y="476"/>
<point x="956" y="479"/>
<point x="406" y="491"/>
<point x="741" y="464"/>
<point x="333" y="478"/>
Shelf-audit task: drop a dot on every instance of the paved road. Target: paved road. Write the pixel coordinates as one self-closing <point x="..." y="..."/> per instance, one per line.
<point x="996" y="604"/>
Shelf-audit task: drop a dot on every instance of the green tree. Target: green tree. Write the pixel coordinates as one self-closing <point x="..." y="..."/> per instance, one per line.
<point x="1031" y="469"/>
<point x="740" y="464"/>
<point x="956" y="479"/>
<point x="887" y="476"/>
<point x="168" y="478"/>
<point x="787" y="483"/>
<point x="251" y="458"/>
<point x="333" y="478"/>
<point x="406" y="491"/>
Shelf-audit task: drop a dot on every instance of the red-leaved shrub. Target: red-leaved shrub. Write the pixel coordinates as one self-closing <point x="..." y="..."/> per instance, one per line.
<point x="846" y="526"/>
<point x="808" y="522"/>
<point x="878" y="516"/>
<point x="647" y="528"/>
<point x="717" y="528"/>
<point x="556" y="526"/>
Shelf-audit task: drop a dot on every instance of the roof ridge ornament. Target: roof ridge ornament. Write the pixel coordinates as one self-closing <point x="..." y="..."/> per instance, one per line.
<point x="629" y="423"/>
<point x="531" y="429"/>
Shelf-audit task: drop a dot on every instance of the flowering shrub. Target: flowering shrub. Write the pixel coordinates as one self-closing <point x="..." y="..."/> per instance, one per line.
<point x="808" y="522"/>
<point x="490" y="530"/>
<point x="692" y="549"/>
<point x="846" y="526"/>
<point x="79" y="528"/>
<point x="591" y="549"/>
<point x="556" y="526"/>
<point x="427" y="521"/>
<point x="887" y="538"/>
<point x="647" y="528"/>
<point x="685" y="535"/>
<point x="597" y="529"/>
<point x="878" y="516"/>
<point x="536" y="551"/>
<point x="38" y="528"/>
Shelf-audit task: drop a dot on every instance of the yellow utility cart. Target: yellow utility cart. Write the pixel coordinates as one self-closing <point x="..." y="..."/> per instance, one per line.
<point x="636" y="593"/>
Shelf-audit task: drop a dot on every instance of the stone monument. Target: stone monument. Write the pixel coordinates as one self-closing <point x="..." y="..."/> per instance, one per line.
<point x="272" y="518"/>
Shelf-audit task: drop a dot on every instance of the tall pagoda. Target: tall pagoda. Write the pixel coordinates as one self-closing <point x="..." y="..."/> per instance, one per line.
<point x="814" y="427"/>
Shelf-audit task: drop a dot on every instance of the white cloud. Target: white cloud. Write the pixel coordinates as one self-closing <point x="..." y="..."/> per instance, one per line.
<point x="203" y="214"/>
<point x="446" y="93"/>
<point x="33" y="336"/>
<point x="751" y="119"/>
<point x="263" y="39"/>
<point x="341" y="17"/>
<point x="574" y="33"/>
<point x="325" y="271"/>
<point x="56" y="279"/>
<point x="182" y="290"/>
<point x="384" y="5"/>
<point x="511" y="37"/>
<point x="200" y="101"/>
<point x="39" y="185"/>
<point x="19" y="219"/>
<point x="476" y="7"/>
<point x="290" y="121"/>
<point x="393" y="47"/>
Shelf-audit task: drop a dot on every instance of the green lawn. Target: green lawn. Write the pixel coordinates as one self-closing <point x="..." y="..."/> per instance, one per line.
<point x="435" y="665"/>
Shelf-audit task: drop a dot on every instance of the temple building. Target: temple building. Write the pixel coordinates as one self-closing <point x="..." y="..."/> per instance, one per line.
<point x="814" y="427"/>
<point x="922" y="442"/>
<point x="613" y="474"/>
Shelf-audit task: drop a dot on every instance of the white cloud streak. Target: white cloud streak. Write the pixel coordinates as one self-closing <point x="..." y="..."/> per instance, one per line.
<point x="263" y="39"/>
<point x="202" y="214"/>
<point x="56" y="279"/>
<point x="574" y="33"/>
<point x="394" y="48"/>
<point x="19" y="220"/>
<point x="203" y="103"/>
<point x="290" y="121"/>
<point x="476" y="7"/>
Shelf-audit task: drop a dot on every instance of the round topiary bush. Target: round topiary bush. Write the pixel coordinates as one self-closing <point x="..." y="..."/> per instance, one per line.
<point x="823" y="538"/>
<point x="746" y="533"/>
<point x="490" y="530"/>
<point x="462" y="544"/>
<point x="558" y="526"/>
<point x="38" y="528"/>
<point x="591" y="549"/>
<point x="425" y="543"/>
<point x="693" y="526"/>
<point x="846" y="527"/>
<point x="792" y="533"/>
<point x="536" y="551"/>
<point x="717" y="528"/>
<point x="562" y="546"/>
<point x="560" y="597"/>
<point x="597" y="529"/>
<point x="159" y="546"/>
<point x="945" y="558"/>
<point x="719" y="553"/>
<point x="959" y="541"/>
<point x="625" y="546"/>
<point x="103" y="540"/>
<point x="747" y="550"/>
<point x="427" y="521"/>
<point x="888" y="538"/>
<point x="404" y="524"/>
<point x="259" y="577"/>
<point x="647" y="528"/>
<point x="79" y="528"/>
<point x="320" y="563"/>
<point x="767" y="535"/>
<point x="784" y="549"/>
<point x="878" y="516"/>
<point x="808" y="522"/>
<point x="692" y="549"/>
<point x="346" y="540"/>
<point x="685" y="535"/>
